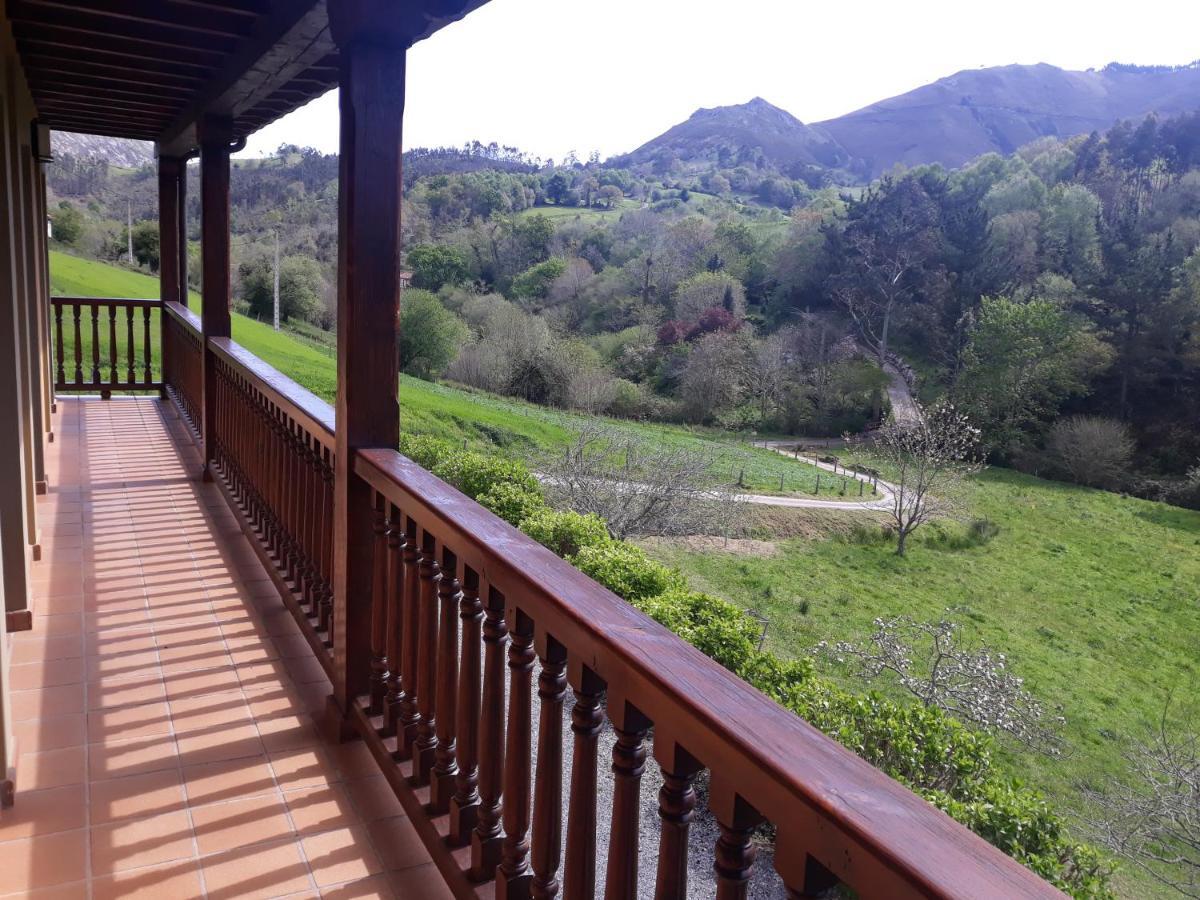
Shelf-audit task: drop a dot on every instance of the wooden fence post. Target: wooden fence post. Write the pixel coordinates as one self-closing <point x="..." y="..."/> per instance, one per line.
<point x="215" y="136"/>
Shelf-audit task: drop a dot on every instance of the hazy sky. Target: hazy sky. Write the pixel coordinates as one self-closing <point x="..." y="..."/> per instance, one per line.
<point x="550" y="76"/>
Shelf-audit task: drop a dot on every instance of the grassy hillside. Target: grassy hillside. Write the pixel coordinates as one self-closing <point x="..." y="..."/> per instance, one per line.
<point x="522" y="429"/>
<point x="1091" y="595"/>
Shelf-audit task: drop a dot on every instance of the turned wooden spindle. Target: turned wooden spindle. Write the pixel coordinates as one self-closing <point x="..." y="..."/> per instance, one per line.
<point x="445" y="768"/>
<point x="378" y="679"/>
<point x="429" y="574"/>
<point x="628" y="764"/>
<point x="676" y="807"/>
<point x="410" y="614"/>
<point x="513" y="874"/>
<point x="113" y="378"/>
<point x="326" y="603"/>
<point x="394" y="592"/>
<point x="95" y="344"/>
<point x="464" y="806"/>
<point x="130" y="349"/>
<point x="546" y="845"/>
<point x="485" y="840"/>
<point x="147" y="364"/>
<point x="587" y="720"/>
<point x="60" y="372"/>
<point x="733" y="861"/>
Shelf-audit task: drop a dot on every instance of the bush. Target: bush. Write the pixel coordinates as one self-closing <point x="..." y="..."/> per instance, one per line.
<point x="512" y="502"/>
<point x="1091" y="450"/>
<point x="626" y="571"/>
<point x="474" y="474"/>
<point x="565" y="532"/>
<point x="715" y="627"/>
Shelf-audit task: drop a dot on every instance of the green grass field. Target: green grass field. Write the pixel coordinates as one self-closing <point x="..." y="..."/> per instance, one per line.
<point x="481" y="420"/>
<point x="1092" y="596"/>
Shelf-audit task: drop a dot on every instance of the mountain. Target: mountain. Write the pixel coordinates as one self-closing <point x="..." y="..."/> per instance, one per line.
<point x="118" y="151"/>
<point x="743" y="134"/>
<point x="950" y="121"/>
<point x="999" y="109"/>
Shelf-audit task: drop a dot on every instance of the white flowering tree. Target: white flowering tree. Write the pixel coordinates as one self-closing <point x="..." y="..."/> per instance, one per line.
<point x="927" y="458"/>
<point x="1153" y="818"/>
<point x="932" y="662"/>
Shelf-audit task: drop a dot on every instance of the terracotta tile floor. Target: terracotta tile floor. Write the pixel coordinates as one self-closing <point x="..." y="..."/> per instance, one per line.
<point x="164" y="701"/>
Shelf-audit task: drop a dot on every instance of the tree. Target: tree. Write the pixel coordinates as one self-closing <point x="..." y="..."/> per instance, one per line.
<point x="590" y="188"/>
<point x="1153" y="819"/>
<point x="434" y="265"/>
<point x="301" y="288"/>
<point x="931" y="662"/>
<point x="639" y="488"/>
<point x="929" y="458"/>
<point x="1092" y="450"/>
<point x="706" y="291"/>
<point x="881" y="256"/>
<point x="430" y="335"/>
<point x="557" y="187"/>
<point x="535" y="282"/>
<point x="1023" y="359"/>
<point x="145" y="244"/>
<point x="66" y="223"/>
<point x="611" y="195"/>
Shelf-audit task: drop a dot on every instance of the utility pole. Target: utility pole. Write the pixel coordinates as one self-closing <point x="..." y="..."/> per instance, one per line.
<point x="129" y="229"/>
<point x="276" y="278"/>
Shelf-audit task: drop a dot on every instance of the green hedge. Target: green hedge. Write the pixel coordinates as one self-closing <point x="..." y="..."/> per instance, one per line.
<point x="935" y="755"/>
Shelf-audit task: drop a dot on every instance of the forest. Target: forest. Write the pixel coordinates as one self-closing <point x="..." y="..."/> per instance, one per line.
<point x="1053" y="294"/>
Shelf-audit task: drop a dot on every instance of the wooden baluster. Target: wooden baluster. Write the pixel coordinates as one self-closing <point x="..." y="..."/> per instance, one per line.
<point x="629" y="762"/>
<point x="676" y="806"/>
<point x="60" y="372"/>
<point x="464" y="806"/>
<point x="113" y="355"/>
<point x="326" y="617"/>
<point x="429" y="574"/>
<point x="377" y="684"/>
<point x="445" y="768"/>
<point x="394" y="594"/>
<point x="735" y="852"/>
<point x="77" y="311"/>
<point x="546" y="847"/>
<point x="803" y="876"/>
<point x="148" y="366"/>
<point x="410" y="616"/>
<point x="486" y="839"/>
<point x="513" y="874"/>
<point x="95" y="344"/>
<point x="131" y="350"/>
<point x="305" y="488"/>
<point x="587" y="718"/>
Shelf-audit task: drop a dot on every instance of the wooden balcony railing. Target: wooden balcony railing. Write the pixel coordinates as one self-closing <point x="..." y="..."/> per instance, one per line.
<point x="466" y="613"/>
<point x="105" y="344"/>
<point x="183" y="376"/>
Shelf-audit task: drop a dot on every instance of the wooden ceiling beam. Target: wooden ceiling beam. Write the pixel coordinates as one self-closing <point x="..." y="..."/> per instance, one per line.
<point x="116" y="73"/>
<point x="29" y="34"/>
<point x="75" y="127"/>
<point x="71" y="82"/>
<point x="83" y="111"/>
<point x="156" y="13"/>
<point x="33" y="49"/>
<point x="100" y="26"/>
<point x="57" y="99"/>
<point x="148" y="68"/>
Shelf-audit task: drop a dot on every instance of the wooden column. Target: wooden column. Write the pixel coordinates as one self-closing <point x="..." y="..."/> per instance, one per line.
<point x="41" y="151"/>
<point x="14" y="560"/>
<point x="181" y="241"/>
<point x="372" y="105"/>
<point x="215" y="136"/>
<point x="171" y="171"/>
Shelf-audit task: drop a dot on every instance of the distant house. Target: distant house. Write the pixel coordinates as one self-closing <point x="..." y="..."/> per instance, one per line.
<point x="405" y="280"/>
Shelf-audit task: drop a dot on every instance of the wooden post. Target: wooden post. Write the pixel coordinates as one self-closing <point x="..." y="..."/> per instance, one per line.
<point x="171" y="171"/>
<point x="215" y="136"/>
<point x="372" y="60"/>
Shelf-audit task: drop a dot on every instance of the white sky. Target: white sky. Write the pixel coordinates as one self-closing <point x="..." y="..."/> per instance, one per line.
<point x="550" y="76"/>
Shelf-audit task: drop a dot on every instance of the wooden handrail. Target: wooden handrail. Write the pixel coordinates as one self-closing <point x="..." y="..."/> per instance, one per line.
<point x="314" y="414"/>
<point x="184" y="315"/>
<point x="828" y="806"/>
<point x="868" y="830"/>
<point x="105" y="301"/>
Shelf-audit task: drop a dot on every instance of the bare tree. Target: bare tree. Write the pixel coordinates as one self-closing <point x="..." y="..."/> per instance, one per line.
<point x="1092" y="450"/>
<point x="931" y="662"/>
<point x="1154" y="820"/>
<point x="928" y="458"/>
<point x="639" y="488"/>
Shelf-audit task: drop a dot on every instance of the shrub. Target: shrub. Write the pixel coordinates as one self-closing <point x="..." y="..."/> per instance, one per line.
<point x="565" y="532"/>
<point x="1091" y="450"/>
<point x="715" y="627"/>
<point x="626" y="571"/>
<point x="512" y="502"/>
<point x="474" y="473"/>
